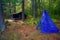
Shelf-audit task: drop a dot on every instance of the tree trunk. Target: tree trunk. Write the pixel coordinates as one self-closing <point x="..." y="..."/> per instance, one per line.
<point x="23" y="10"/>
<point x="14" y="7"/>
<point x="33" y="8"/>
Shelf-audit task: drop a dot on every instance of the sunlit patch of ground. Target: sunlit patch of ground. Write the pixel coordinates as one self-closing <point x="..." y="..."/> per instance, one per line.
<point x="22" y="31"/>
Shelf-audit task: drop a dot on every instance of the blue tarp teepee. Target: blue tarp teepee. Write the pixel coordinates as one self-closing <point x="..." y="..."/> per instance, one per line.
<point x="46" y="25"/>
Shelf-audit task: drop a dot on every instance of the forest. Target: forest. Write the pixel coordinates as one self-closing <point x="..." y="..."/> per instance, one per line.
<point x="32" y="7"/>
<point x="27" y="14"/>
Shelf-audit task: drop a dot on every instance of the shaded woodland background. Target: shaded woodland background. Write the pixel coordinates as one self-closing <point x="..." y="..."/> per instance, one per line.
<point x="32" y="7"/>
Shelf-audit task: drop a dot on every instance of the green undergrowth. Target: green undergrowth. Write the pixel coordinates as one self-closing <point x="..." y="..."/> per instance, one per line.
<point x="32" y="21"/>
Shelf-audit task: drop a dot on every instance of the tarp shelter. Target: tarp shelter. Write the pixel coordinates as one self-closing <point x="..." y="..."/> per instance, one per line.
<point x="46" y="25"/>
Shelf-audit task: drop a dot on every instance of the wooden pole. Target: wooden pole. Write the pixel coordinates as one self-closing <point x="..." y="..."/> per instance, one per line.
<point x="2" y="24"/>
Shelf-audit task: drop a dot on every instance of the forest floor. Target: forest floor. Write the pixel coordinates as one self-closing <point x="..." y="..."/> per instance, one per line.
<point x="27" y="32"/>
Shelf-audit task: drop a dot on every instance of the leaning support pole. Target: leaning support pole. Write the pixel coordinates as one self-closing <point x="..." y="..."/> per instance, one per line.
<point x="2" y="24"/>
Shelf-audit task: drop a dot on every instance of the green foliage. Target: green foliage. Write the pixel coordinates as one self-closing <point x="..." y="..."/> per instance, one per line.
<point x="52" y="6"/>
<point x="28" y="13"/>
<point x="7" y="23"/>
<point x="33" y="21"/>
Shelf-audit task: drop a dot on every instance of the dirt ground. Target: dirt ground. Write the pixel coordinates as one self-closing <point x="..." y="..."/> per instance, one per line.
<point x="28" y="32"/>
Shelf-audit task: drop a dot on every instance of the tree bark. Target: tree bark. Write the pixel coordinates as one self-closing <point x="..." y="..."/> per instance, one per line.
<point x="33" y="8"/>
<point x="23" y="10"/>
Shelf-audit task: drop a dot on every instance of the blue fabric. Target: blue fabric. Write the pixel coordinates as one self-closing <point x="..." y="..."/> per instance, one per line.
<point x="46" y="25"/>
